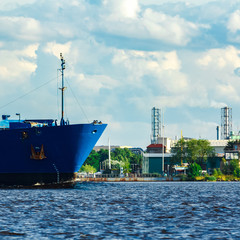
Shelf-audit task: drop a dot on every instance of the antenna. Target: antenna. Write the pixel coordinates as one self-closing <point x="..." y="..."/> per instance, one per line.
<point x="62" y="88"/>
<point x="19" y="116"/>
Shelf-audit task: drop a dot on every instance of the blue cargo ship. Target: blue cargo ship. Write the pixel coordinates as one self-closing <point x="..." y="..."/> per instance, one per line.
<point x="41" y="151"/>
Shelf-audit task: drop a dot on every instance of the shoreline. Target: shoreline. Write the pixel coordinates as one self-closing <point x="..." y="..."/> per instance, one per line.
<point x="129" y="179"/>
<point x="153" y="179"/>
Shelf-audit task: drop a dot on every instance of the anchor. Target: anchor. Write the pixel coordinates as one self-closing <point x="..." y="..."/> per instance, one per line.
<point x="37" y="155"/>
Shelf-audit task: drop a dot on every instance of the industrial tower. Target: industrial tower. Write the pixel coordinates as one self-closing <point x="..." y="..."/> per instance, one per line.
<point x="226" y="122"/>
<point x="156" y="125"/>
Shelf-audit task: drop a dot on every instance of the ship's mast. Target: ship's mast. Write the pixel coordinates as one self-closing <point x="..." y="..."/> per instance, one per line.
<point x="62" y="88"/>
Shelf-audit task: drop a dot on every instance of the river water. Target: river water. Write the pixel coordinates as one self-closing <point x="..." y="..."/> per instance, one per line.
<point x="169" y="210"/>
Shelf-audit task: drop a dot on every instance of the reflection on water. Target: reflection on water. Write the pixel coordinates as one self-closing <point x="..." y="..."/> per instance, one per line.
<point x="123" y="211"/>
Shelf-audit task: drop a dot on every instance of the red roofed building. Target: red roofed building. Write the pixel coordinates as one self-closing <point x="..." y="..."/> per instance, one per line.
<point x="155" y="148"/>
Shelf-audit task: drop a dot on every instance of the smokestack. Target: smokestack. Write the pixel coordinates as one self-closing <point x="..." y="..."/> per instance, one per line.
<point x="217" y="132"/>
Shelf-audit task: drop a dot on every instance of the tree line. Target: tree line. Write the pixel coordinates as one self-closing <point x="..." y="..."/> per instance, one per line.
<point x="193" y="152"/>
<point x="120" y="157"/>
<point x="196" y="153"/>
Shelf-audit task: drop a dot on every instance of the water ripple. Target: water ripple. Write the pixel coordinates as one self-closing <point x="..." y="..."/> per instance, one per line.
<point x="123" y="211"/>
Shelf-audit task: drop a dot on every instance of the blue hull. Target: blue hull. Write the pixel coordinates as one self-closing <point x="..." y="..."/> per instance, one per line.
<point x="64" y="150"/>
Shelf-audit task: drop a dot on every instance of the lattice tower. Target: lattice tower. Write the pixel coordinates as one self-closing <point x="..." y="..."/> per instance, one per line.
<point x="226" y="122"/>
<point x="156" y="125"/>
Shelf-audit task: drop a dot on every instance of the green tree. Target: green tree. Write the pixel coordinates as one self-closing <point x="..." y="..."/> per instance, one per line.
<point x="217" y="172"/>
<point x="230" y="167"/>
<point x="179" y="152"/>
<point x="205" y="151"/>
<point x="103" y="154"/>
<point x="192" y="151"/>
<point x="93" y="159"/>
<point x="234" y="164"/>
<point x="229" y="145"/>
<point x="126" y="166"/>
<point x="236" y="172"/>
<point x="120" y="157"/>
<point x="126" y="158"/>
<point x="194" y="170"/>
<point x="88" y="169"/>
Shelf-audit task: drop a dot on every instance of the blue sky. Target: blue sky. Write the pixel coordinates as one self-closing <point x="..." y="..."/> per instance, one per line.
<point x="123" y="57"/>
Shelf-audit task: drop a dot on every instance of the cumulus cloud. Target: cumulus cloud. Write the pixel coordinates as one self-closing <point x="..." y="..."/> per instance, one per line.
<point x="169" y="29"/>
<point x="162" y="70"/>
<point x="55" y="49"/>
<point x="94" y="83"/>
<point x="220" y="58"/>
<point x="126" y="80"/>
<point x="213" y="77"/>
<point x="19" y="64"/>
<point x="215" y="104"/>
<point x="122" y="9"/>
<point x="205" y="79"/>
<point x="228" y="90"/>
<point x="157" y="2"/>
<point x="234" y="22"/>
<point x="123" y="19"/>
<point x="6" y="5"/>
<point x="20" y="28"/>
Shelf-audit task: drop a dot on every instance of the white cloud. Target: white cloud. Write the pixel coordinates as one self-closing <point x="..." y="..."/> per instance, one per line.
<point x="234" y="22"/>
<point x="29" y="51"/>
<point x="18" y="65"/>
<point x="147" y="61"/>
<point x="170" y="29"/>
<point x="187" y="2"/>
<point x="6" y="5"/>
<point x="123" y="8"/>
<point x="211" y="77"/>
<point x="20" y="28"/>
<point x="215" y="104"/>
<point x="55" y="49"/>
<point x="94" y="83"/>
<point x="162" y="69"/>
<point x="220" y="58"/>
<point x="206" y="80"/>
<point x="94" y="38"/>
<point x="144" y="23"/>
<point x="228" y="90"/>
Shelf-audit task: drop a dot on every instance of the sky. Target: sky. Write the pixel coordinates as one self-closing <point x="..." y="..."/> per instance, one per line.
<point x="123" y="57"/>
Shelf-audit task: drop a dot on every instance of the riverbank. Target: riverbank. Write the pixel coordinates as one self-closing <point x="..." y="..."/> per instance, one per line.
<point x="221" y="178"/>
<point x="183" y="178"/>
<point x="127" y="179"/>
